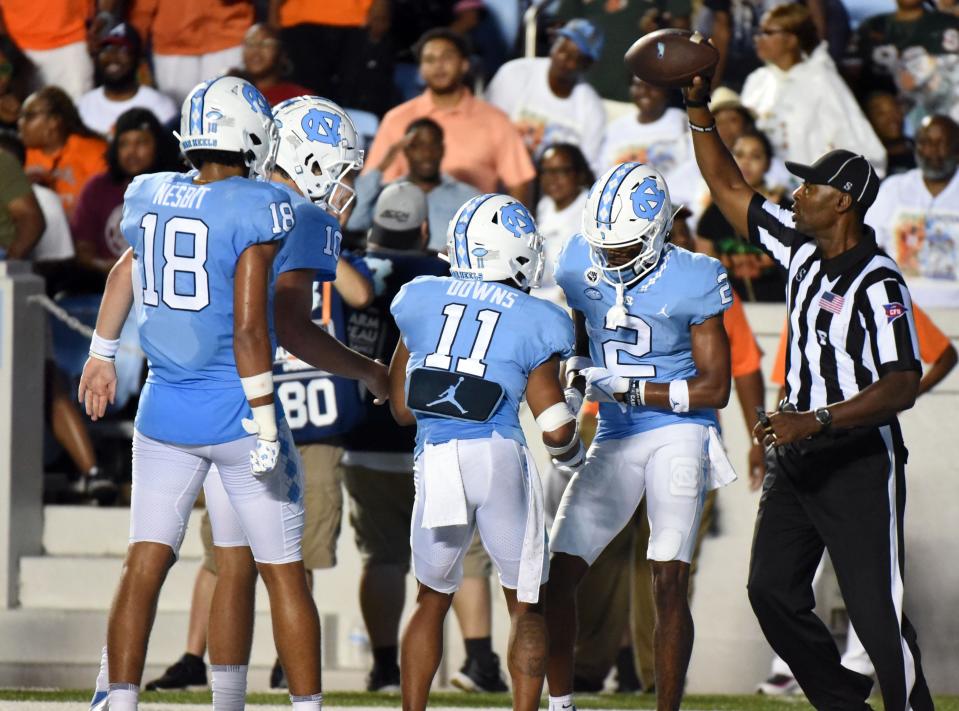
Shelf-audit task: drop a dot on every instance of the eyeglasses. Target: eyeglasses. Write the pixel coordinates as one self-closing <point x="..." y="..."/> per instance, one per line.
<point x="6" y="69"/>
<point x="558" y="170"/>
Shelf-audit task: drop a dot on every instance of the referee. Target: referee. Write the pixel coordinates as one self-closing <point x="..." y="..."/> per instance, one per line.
<point x="835" y="456"/>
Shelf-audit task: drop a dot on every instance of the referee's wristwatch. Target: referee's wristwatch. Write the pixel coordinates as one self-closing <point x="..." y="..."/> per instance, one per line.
<point x="824" y="417"/>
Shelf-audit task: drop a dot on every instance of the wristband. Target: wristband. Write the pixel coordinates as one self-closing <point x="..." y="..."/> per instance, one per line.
<point x="679" y="396"/>
<point x="265" y="418"/>
<point x="703" y="129"/>
<point x="102" y="348"/>
<point x="259" y="385"/>
<point x="636" y="395"/>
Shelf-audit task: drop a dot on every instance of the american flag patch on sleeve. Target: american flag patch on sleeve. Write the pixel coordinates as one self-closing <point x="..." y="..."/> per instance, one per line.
<point x="831" y="302"/>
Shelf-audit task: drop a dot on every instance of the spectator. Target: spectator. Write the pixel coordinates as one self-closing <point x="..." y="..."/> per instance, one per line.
<point x="886" y="115"/>
<point x="482" y="147"/>
<point x="914" y="50"/>
<point x="800" y="101"/>
<point x="55" y="245"/>
<point x="62" y="152"/>
<point x="191" y="41"/>
<point x="53" y="34"/>
<point x="267" y="66"/>
<point x="545" y="97"/>
<point x="16" y="75"/>
<point x="422" y="146"/>
<point x="620" y="24"/>
<point x="656" y="134"/>
<point x="341" y="50"/>
<point x="118" y="59"/>
<point x="915" y="215"/>
<point x="139" y="145"/>
<point x="21" y="219"/>
<point x="753" y="274"/>
<point x="564" y="179"/>
<point x="732" y="25"/>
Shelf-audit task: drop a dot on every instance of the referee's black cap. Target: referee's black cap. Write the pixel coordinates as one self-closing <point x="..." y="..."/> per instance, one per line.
<point x="844" y="170"/>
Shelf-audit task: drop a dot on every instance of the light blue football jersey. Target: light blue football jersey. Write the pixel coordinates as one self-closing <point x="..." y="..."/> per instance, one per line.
<point x="314" y="241"/>
<point x="683" y="289"/>
<point x="187" y="239"/>
<point x="480" y="329"/>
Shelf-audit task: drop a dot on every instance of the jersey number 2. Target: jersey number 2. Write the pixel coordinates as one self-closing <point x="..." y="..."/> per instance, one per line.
<point x="180" y="257"/>
<point x="473" y="365"/>
<point x="638" y="343"/>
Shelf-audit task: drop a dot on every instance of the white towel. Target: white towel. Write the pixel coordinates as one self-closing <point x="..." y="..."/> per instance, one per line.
<point x="721" y="472"/>
<point x="445" y="503"/>
<point x="534" y="538"/>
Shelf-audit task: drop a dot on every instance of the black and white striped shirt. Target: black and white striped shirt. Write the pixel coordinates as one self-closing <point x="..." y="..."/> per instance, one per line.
<point x="850" y="317"/>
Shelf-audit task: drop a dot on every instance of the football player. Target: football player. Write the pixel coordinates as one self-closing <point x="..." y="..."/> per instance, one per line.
<point x="659" y="367"/>
<point x="470" y="345"/>
<point x="211" y="307"/>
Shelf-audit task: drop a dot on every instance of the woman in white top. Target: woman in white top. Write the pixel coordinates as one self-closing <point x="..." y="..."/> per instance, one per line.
<point x="564" y="178"/>
<point x="799" y="99"/>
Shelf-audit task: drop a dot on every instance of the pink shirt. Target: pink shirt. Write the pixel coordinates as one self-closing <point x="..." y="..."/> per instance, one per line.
<point x="482" y="147"/>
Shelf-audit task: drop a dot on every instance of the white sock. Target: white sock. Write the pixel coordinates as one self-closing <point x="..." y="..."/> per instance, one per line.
<point x="124" y="697"/>
<point x="103" y="678"/>
<point x="229" y="686"/>
<point x="307" y="703"/>
<point x="558" y="703"/>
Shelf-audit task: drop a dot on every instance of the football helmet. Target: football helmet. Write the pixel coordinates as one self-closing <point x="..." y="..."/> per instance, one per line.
<point x="229" y="114"/>
<point x="493" y="238"/>
<point x="628" y="205"/>
<point x="318" y="147"/>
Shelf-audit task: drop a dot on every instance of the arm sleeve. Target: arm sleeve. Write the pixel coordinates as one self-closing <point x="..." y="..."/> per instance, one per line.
<point x="367" y="187"/>
<point x="891" y="326"/>
<point x="932" y="342"/>
<point x="772" y="229"/>
<point x="744" y="352"/>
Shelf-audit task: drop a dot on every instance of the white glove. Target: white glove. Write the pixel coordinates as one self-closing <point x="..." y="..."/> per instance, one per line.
<point x="262" y="457"/>
<point x="574" y="400"/>
<point x="602" y="386"/>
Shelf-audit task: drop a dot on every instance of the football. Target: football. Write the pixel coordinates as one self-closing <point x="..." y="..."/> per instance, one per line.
<point x="671" y="57"/>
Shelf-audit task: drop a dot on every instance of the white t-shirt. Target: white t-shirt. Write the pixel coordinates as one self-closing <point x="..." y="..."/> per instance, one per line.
<point x="921" y="233"/>
<point x="100" y="113"/>
<point x="56" y="242"/>
<point x="556" y="226"/>
<point x="521" y="90"/>
<point x="664" y="144"/>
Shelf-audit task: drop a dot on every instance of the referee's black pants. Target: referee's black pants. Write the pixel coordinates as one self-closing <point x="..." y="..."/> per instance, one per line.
<point x="846" y="494"/>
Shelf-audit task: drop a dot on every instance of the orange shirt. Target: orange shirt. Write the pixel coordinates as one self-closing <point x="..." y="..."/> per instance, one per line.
<point x="932" y="344"/>
<point x="69" y="169"/>
<point x="343" y="13"/>
<point x="744" y="354"/>
<point x="192" y="28"/>
<point x="48" y="24"/>
<point x="482" y="147"/>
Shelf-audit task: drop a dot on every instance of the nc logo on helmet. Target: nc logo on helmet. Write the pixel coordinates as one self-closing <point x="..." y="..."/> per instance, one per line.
<point x="256" y="101"/>
<point x="647" y="198"/>
<point x="321" y="126"/>
<point x="517" y="219"/>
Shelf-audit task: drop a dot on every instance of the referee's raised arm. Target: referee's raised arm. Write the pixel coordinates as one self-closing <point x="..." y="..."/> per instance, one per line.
<point x="730" y="191"/>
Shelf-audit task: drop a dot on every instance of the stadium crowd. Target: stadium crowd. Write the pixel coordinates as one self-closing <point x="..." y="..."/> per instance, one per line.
<point x="448" y="107"/>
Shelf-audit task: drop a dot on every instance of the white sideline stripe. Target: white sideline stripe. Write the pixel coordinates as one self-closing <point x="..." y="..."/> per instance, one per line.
<point x="159" y="706"/>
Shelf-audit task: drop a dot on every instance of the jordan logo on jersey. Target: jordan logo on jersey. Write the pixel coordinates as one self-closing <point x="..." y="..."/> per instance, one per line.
<point x="449" y="395"/>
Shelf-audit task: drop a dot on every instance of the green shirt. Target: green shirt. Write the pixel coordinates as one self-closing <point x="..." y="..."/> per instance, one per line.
<point x="13" y="185"/>
<point x="619" y="22"/>
<point x="881" y="40"/>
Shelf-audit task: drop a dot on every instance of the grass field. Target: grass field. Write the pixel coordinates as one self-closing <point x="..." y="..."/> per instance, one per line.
<point x="55" y="700"/>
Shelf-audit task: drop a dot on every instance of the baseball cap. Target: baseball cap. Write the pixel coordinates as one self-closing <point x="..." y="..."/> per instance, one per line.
<point x="585" y="35"/>
<point x="122" y="35"/>
<point x="399" y="214"/>
<point x="844" y="170"/>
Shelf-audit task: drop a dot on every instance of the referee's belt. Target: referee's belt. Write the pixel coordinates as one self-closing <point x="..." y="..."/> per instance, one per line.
<point x="455" y="395"/>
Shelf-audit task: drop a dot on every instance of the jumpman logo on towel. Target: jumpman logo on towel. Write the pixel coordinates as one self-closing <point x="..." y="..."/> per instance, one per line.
<point x="449" y="395"/>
